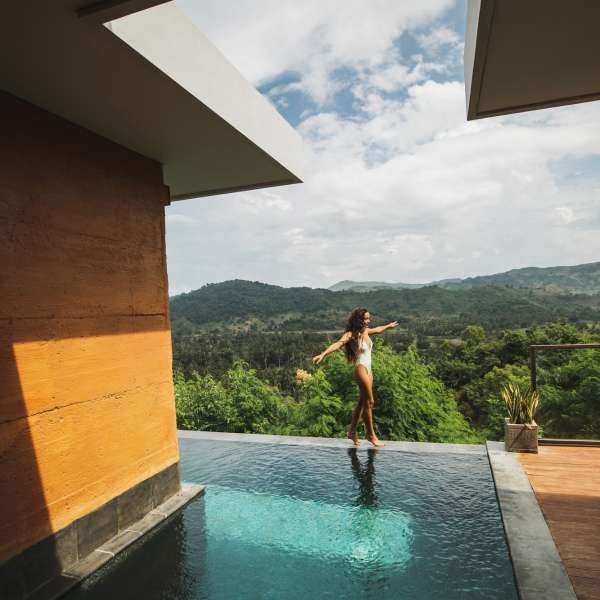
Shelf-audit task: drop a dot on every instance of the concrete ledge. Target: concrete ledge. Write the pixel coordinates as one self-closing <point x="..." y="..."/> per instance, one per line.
<point x="538" y="568"/>
<point x="330" y="442"/>
<point x="83" y="568"/>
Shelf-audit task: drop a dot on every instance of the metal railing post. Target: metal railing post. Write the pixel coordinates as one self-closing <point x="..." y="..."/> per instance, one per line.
<point x="532" y="368"/>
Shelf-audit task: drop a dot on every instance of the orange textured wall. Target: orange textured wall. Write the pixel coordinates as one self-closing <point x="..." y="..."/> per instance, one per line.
<point x="86" y="395"/>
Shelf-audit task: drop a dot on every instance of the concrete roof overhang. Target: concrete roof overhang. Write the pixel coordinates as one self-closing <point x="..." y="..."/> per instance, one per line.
<point x="152" y="82"/>
<point x="524" y="55"/>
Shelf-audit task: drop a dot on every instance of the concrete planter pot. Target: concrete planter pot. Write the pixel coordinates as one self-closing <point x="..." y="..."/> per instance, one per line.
<point x="519" y="437"/>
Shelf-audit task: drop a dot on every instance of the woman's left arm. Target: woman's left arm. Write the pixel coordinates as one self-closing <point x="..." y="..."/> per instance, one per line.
<point x="382" y="328"/>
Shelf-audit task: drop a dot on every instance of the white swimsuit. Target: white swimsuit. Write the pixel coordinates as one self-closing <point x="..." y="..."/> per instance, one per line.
<point x="364" y="355"/>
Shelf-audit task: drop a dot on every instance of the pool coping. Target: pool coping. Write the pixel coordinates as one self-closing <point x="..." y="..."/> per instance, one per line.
<point x="477" y="449"/>
<point x="538" y="569"/>
<point x="136" y="532"/>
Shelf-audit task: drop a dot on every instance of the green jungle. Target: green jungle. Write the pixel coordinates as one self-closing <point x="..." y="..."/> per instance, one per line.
<point x="242" y="360"/>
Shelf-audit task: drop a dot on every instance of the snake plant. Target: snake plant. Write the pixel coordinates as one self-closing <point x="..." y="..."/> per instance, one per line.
<point x="521" y="405"/>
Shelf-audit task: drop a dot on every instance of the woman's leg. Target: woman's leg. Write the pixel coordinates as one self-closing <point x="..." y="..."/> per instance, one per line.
<point x="365" y="382"/>
<point x="356" y="415"/>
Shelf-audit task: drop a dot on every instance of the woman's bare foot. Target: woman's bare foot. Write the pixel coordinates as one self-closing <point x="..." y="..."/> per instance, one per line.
<point x="354" y="437"/>
<point x="376" y="441"/>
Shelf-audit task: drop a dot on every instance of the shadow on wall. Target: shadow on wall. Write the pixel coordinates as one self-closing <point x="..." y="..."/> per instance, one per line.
<point x="18" y="473"/>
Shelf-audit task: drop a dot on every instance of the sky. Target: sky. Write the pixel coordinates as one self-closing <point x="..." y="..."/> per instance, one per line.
<point x="398" y="186"/>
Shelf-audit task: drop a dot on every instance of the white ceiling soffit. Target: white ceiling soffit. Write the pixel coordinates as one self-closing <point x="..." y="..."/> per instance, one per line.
<point x="528" y="54"/>
<point x="152" y="82"/>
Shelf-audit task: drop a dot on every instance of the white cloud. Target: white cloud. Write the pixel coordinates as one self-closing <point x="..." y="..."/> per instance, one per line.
<point x="440" y="38"/>
<point x="391" y="77"/>
<point x="313" y="38"/>
<point x="563" y="215"/>
<point x="403" y="189"/>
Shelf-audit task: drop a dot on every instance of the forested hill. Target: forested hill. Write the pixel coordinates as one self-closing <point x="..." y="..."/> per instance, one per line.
<point x="369" y="286"/>
<point x="580" y="278"/>
<point x="576" y="279"/>
<point x="240" y="304"/>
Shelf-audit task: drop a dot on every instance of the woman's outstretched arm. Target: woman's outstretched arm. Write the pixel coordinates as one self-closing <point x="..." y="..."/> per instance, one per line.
<point x="382" y="328"/>
<point x="335" y="346"/>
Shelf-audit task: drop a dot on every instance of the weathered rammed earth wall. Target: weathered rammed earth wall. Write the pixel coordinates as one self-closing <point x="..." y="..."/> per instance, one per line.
<point x="86" y="397"/>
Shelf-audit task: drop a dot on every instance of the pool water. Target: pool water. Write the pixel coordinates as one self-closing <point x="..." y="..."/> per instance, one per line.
<point x="295" y="522"/>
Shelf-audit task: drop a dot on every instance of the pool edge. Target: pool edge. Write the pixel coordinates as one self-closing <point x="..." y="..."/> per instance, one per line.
<point x="396" y="446"/>
<point x="538" y="569"/>
<point x="75" y="574"/>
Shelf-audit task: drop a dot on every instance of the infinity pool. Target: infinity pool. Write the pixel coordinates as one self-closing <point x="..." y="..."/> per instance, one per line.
<point x="306" y="521"/>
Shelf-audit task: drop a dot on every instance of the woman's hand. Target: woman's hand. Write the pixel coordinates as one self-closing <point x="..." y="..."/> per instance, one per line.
<point x="382" y="328"/>
<point x="317" y="359"/>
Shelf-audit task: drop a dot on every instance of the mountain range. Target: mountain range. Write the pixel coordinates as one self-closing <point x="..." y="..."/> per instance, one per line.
<point x="519" y="298"/>
<point x="583" y="279"/>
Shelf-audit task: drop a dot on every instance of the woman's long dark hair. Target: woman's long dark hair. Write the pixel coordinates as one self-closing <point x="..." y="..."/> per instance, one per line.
<point x="355" y="324"/>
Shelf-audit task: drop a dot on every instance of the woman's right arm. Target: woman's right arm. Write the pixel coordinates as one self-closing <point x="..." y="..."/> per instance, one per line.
<point x="335" y="346"/>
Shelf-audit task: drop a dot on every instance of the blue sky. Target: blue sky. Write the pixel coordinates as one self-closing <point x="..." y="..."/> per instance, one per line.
<point x="296" y="105"/>
<point x="399" y="186"/>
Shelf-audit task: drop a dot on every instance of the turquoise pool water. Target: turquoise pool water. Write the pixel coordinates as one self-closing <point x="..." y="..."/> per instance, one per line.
<point x="295" y="522"/>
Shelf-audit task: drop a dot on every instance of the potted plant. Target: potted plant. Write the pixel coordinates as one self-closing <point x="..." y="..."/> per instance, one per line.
<point x="520" y="428"/>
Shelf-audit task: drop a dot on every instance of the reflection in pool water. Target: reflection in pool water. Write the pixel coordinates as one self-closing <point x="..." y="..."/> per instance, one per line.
<point x="365" y="476"/>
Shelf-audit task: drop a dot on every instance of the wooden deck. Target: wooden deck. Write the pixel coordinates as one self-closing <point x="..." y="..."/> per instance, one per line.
<point x="566" y="481"/>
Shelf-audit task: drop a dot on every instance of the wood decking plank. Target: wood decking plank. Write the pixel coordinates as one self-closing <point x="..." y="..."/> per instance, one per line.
<point x="566" y="482"/>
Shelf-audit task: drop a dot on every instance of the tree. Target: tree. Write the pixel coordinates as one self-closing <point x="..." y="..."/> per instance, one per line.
<point x="259" y="406"/>
<point x="473" y="335"/>
<point x="485" y="396"/>
<point x="320" y="410"/>
<point x="514" y="347"/>
<point x="203" y="404"/>
<point x="570" y="395"/>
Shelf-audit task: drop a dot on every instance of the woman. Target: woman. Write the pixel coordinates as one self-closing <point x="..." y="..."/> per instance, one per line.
<point x="358" y="347"/>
